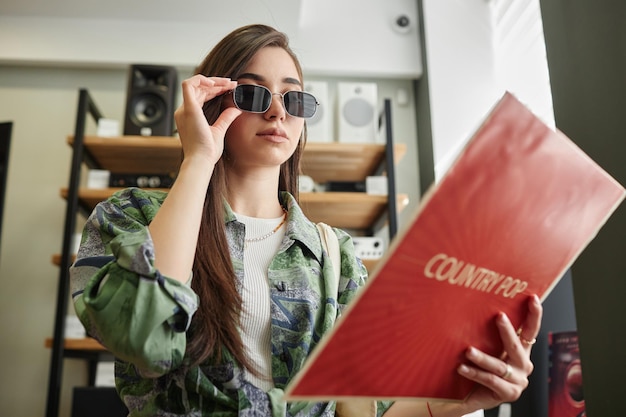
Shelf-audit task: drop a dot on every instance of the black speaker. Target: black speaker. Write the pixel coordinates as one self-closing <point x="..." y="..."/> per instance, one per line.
<point x="150" y="100"/>
<point x="97" y="402"/>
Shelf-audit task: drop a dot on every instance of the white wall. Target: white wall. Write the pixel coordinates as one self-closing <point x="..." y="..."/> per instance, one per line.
<point x="521" y="61"/>
<point x="476" y="50"/>
<point x="461" y="71"/>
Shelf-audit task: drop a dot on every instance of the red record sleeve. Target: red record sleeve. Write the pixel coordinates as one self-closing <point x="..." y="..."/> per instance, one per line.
<point x="506" y="221"/>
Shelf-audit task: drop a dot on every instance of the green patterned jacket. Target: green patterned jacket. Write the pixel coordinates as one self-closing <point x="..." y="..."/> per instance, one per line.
<point x="141" y="316"/>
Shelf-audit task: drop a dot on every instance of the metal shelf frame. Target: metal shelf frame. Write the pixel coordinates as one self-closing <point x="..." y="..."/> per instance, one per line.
<point x="392" y="207"/>
<point x="86" y="108"/>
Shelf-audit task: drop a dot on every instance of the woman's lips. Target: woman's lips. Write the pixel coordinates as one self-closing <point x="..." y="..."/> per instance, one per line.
<point x="276" y="135"/>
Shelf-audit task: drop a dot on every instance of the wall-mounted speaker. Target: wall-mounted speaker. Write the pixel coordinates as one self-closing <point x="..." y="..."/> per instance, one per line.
<point x="150" y="100"/>
<point x="357" y="112"/>
<point x="320" y="126"/>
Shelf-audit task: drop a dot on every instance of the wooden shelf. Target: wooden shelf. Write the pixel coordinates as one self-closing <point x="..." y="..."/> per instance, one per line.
<point x="84" y="344"/>
<point x="340" y="209"/>
<point x="347" y="210"/>
<point x="344" y="161"/>
<point x="56" y="259"/>
<point x="151" y="155"/>
<point x="370" y="264"/>
<point x="89" y="197"/>
<point x="134" y="154"/>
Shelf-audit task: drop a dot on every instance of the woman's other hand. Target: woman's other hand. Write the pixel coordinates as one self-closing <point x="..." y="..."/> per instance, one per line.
<point x="503" y="380"/>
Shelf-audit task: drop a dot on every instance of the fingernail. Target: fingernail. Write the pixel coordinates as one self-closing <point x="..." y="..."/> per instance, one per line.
<point x="471" y="352"/>
<point x="536" y="298"/>
<point x="503" y="318"/>
<point x="463" y="369"/>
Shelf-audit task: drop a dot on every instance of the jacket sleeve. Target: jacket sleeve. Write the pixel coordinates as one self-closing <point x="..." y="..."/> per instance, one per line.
<point x="122" y="300"/>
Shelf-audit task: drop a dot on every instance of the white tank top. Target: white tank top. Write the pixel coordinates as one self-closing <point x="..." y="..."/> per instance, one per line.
<point x="255" y="294"/>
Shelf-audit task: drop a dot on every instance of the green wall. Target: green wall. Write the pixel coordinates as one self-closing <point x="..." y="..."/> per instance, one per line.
<point x="586" y="49"/>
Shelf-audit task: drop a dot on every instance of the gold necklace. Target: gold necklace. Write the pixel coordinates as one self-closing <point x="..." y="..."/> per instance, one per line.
<point x="265" y="236"/>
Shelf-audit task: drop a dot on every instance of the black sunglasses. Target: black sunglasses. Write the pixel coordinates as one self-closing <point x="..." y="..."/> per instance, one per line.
<point x="257" y="99"/>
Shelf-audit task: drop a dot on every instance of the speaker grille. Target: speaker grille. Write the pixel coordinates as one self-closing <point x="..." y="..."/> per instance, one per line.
<point x="358" y="112"/>
<point x="147" y="109"/>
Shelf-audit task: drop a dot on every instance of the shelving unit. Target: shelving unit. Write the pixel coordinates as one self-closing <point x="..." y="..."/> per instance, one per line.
<point x="321" y="161"/>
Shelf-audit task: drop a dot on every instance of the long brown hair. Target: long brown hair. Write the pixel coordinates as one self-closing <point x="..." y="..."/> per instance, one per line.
<point x="214" y="327"/>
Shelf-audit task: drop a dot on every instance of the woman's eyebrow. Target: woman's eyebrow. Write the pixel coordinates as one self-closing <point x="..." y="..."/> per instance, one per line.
<point x="260" y="78"/>
<point x="294" y="81"/>
<point x="251" y="76"/>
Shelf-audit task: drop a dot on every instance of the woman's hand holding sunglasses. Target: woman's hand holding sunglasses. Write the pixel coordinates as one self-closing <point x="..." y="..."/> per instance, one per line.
<point x="198" y="138"/>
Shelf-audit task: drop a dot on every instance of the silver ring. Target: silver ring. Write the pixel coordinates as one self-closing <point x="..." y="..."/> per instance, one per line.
<point x="508" y="372"/>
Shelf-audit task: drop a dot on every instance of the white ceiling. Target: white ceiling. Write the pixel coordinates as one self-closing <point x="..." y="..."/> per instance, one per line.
<point x="330" y="36"/>
<point x="157" y="10"/>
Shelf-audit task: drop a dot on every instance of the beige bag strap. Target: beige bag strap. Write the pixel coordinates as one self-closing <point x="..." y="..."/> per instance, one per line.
<point x="354" y="407"/>
<point x="331" y="244"/>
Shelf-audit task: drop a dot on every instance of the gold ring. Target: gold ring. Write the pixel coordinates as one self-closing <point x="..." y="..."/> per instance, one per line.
<point x="508" y="372"/>
<point x="524" y="340"/>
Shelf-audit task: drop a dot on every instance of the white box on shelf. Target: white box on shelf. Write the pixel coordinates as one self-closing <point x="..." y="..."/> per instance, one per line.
<point x="74" y="328"/>
<point x="376" y="185"/>
<point x="98" y="178"/>
<point x="108" y="127"/>
<point x="105" y="374"/>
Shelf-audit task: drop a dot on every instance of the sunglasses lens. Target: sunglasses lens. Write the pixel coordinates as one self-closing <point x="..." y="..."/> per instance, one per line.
<point x="252" y="98"/>
<point x="300" y="104"/>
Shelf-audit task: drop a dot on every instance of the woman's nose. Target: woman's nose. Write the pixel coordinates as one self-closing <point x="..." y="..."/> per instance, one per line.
<point x="277" y="108"/>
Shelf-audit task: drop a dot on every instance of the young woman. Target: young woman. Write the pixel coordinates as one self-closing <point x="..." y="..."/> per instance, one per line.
<point x="212" y="296"/>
